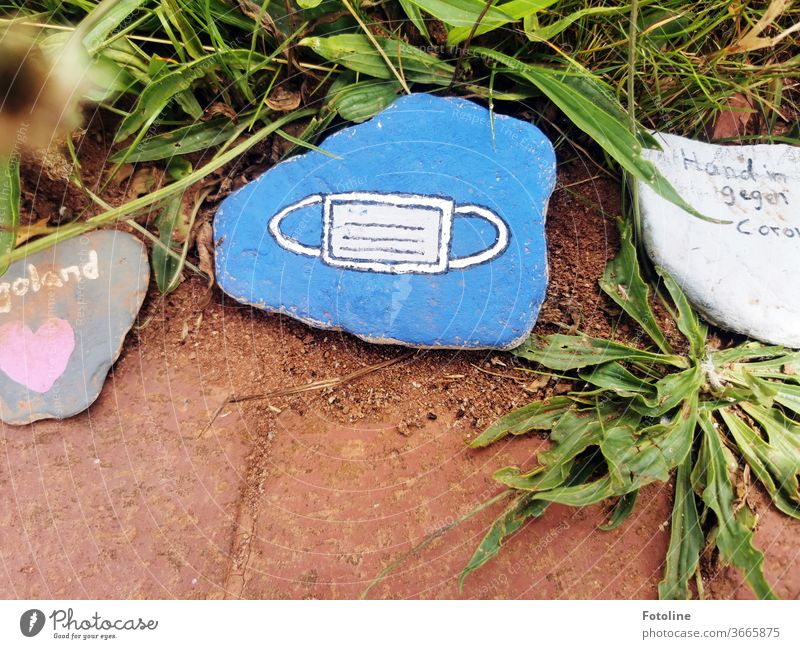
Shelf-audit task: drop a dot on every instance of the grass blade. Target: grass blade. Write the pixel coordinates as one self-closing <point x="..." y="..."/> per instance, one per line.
<point x="623" y="283"/>
<point x="158" y="94"/>
<point x="583" y="100"/>
<point x="685" y="540"/>
<point x="562" y="352"/>
<point x="9" y="208"/>
<point x="686" y="319"/>
<point x="415" y="16"/>
<point x="733" y="539"/>
<point x="104" y="19"/>
<point x="116" y="213"/>
<point x="355" y="52"/>
<point x="187" y="139"/>
<point x="507" y="524"/>
<point x="515" y="10"/>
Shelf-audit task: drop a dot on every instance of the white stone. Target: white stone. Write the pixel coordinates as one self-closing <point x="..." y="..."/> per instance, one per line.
<point x="743" y="275"/>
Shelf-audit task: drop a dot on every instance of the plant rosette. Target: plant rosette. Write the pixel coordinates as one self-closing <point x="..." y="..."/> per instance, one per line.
<point x="708" y="416"/>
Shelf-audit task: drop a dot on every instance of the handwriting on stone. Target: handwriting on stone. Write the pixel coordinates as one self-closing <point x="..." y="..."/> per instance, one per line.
<point x="33" y="280"/>
<point x="736" y="274"/>
<point x="736" y="190"/>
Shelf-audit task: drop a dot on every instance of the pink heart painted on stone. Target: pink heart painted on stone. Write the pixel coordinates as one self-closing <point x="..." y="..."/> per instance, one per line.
<point x="36" y="360"/>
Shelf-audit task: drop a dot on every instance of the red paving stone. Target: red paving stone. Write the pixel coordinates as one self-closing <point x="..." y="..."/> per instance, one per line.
<point x="123" y="501"/>
<point x="130" y="500"/>
<point x="341" y="503"/>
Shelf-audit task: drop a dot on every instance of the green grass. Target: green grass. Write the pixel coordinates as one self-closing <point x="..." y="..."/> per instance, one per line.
<point x="166" y="64"/>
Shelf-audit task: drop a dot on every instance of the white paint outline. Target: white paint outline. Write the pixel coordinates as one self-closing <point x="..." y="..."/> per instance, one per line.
<point x="287" y="242"/>
<point x="444" y="206"/>
<point x="492" y="251"/>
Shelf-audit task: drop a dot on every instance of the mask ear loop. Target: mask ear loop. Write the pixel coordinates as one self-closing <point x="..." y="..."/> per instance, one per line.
<point x="288" y="243"/>
<point x="499" y="245"/>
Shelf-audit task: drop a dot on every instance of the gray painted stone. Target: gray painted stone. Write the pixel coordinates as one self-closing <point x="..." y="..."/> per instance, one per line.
<point x="64" y="313"/>
<point x="741" y="276"/>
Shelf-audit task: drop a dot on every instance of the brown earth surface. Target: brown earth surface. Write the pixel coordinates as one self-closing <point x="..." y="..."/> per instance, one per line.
<point x="164" y="488"/>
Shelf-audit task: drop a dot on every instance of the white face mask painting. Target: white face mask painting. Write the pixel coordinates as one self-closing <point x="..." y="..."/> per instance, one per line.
<point x="390" y="233"/>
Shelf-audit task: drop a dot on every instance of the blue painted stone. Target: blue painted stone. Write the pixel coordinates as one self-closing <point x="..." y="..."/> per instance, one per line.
<point x="425" y="229"/>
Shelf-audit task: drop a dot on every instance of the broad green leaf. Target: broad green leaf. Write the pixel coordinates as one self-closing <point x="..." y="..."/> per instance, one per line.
<point x="763" y="392"/>
<point x="178" y="168"/>
<point x="360" y="101"/>
<point x="686" y="319"/>
<point x="602" y="414"/>
<point x="166" y="268"/>
<point x="308" y="4"/>
<point x="464" y="13"/>
<point x="538" y="415"/>
<point x="685" y="539"/>
<point x="221" y="11"/>
<point x="575" y="432"/>
<point x="181" y="141"/>
<point x="623" y="283"/>
<point x="670" y="391"/>
<point x="189" y="104"/>
<point x="785" y="367"/>
<point x="784" y="446"/>
<point x="757" y="453"/>
<point x="614" y="376"/>
<point x="515" y="516"/>
<point x="622" y="509"/>
<point x="733" y="539"/>
<point x="174" y="223"/>
<point x="745" y="352"/>
<point x="667" y="25"/>
<point x="562" y="352"/>
<point x="581" y="495"/>
<point x="104" y="19"/>
<point x="9" y="207"/>
<point x="536" y="32"/>
<point x="580" y="97"/>
<point x="515" y="10"/>
<point x="788" y="396"/>
<point x="636" y="459"/>
<point x="355" y="52"/>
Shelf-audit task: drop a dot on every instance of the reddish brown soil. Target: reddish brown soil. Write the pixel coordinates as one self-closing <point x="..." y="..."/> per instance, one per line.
<point x="313" y="495"/>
